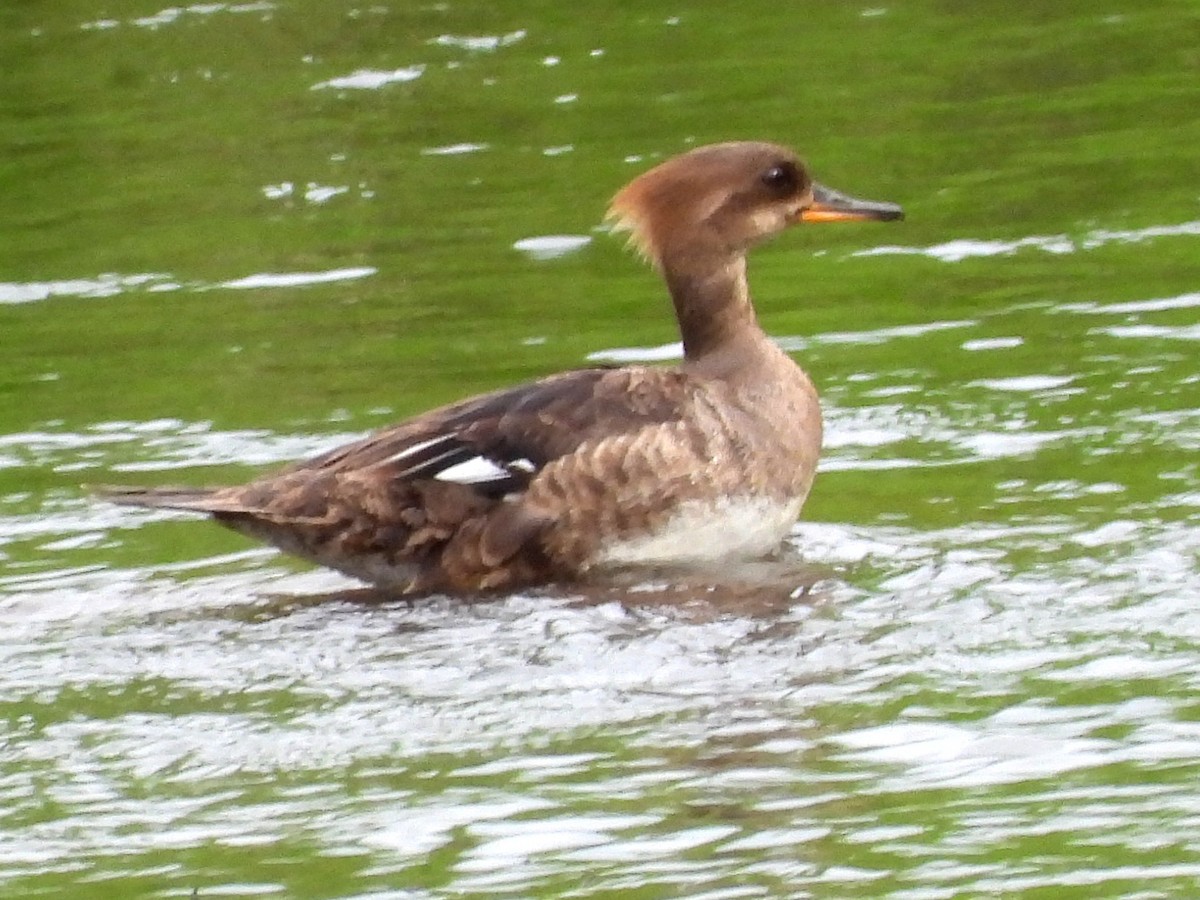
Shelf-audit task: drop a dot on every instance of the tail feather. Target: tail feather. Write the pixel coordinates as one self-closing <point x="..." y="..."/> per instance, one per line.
<point x="205" y="500"/>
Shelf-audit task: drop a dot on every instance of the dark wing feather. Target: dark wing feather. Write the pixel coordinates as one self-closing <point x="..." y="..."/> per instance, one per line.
<point x="518" y="430"/>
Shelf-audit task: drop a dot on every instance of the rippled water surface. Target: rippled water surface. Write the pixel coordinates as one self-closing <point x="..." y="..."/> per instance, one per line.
<point x="237" y="233"/>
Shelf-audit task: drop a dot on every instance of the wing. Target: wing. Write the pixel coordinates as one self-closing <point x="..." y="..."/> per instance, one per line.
<point x="497" y="442"/>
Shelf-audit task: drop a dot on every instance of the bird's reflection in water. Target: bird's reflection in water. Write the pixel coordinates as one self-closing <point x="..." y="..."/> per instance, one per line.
<point x="764" y="588"/>
<point x="756" y="588"/>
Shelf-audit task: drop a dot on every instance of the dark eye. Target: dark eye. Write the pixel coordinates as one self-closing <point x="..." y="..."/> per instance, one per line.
<point x="781" y="179"/>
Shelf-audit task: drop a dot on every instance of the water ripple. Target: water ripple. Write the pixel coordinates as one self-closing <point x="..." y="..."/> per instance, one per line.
<point x="1022" y="670"/>
<point x="968" y="248"/>
<point x="447" y="721"/>
<point x="111" y="284"/>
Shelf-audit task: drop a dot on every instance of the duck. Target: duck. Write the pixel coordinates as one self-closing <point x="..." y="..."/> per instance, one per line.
<point x="595" y="469"/>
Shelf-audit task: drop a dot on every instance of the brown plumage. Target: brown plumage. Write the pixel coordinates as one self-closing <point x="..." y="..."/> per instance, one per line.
<point x="592" y="468"/>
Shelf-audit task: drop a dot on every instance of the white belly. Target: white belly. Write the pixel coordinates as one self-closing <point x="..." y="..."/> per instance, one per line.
<point x="698" y="532"/>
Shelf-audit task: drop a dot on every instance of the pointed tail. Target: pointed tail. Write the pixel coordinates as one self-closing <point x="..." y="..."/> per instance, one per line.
<point x="204" y="500"/>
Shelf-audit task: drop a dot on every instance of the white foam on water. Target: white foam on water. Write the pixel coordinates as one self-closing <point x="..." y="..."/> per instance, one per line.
<point x="371" y="79"/>
<point x="1159" y="304"/>
<point x="298" y="279"/>
<point x="1170" y="332"/>
<point x="455" y="149"/>
<point x="106" y="285"/>
<point x="551" y="246"/>
<point x="479" y="43"/>
<point x="970" y="248"/>
<point x="1025" y="382"/>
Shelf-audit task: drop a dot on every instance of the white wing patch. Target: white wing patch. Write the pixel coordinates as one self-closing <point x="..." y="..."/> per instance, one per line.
<point x="480" y="470"/>
<point x="475" y="470"/>
<point x="446" y="458"/>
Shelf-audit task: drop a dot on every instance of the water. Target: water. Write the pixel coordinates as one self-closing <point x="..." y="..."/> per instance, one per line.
<point x="237" y="234"/>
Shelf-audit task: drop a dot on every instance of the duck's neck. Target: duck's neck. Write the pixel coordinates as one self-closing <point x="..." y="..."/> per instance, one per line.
<point x="712" y="303"/>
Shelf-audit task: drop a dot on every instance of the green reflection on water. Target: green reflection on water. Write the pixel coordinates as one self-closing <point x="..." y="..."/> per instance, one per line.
<point x="163" y="148"/>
